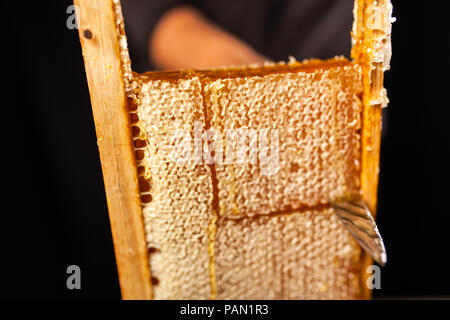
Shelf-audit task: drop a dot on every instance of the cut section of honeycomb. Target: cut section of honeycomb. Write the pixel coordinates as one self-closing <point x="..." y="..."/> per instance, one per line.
<point x="242" y="230"/>
<point x="180" y="211"/>
<point x="314" y="117"/>
<point x="301" y="255"/>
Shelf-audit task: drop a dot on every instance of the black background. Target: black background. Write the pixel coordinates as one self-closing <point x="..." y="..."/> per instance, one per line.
<point x="54" y="209"/>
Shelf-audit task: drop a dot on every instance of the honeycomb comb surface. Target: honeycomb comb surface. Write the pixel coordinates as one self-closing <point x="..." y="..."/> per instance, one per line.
<point x="228" y="230"/>
<point x="301" y="255"/>
<point x="316" y="118"/>
<point x="178" y="216"/>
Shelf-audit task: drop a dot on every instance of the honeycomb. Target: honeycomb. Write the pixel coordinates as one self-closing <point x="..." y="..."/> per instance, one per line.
<point x="220" y="227"/>
<point x="301" y="255"/>
<point x="228" y="230"/>
<point x="180" y="210"/>
<point x="316" y="116"/>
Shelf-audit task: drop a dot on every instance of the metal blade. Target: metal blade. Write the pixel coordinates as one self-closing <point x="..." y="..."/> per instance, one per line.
<point x="357" y="218"/>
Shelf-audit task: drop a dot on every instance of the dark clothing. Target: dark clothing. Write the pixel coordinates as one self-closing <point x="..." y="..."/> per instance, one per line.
<point x="274" y="28"/>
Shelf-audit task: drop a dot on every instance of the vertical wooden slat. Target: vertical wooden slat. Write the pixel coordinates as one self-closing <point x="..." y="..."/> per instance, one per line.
<point x="100" y="44"/>
<point x="373" y="76"/>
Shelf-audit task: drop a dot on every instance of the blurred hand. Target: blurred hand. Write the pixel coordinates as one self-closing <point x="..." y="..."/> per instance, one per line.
<point x="185" y="39"/>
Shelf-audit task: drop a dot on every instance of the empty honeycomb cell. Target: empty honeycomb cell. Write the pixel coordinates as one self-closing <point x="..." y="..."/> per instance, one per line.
<point x="134" y="118"/>
<point x="139" y="143"/>
<point x="146" y="198"/>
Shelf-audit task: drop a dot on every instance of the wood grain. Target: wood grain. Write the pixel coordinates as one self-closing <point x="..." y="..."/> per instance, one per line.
<point x="99" y="41"/>
<point x="373" y="77"/>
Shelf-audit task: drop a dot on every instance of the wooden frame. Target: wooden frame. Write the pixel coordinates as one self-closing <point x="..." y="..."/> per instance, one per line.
<point x="99" y="37"/>
<point x="100" y="43"/>
<point x="369" y="33"/>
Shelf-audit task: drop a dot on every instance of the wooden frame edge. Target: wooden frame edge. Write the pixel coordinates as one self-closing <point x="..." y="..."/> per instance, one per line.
<point x="100" y="46"/>
<point x="373" y="78"/>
